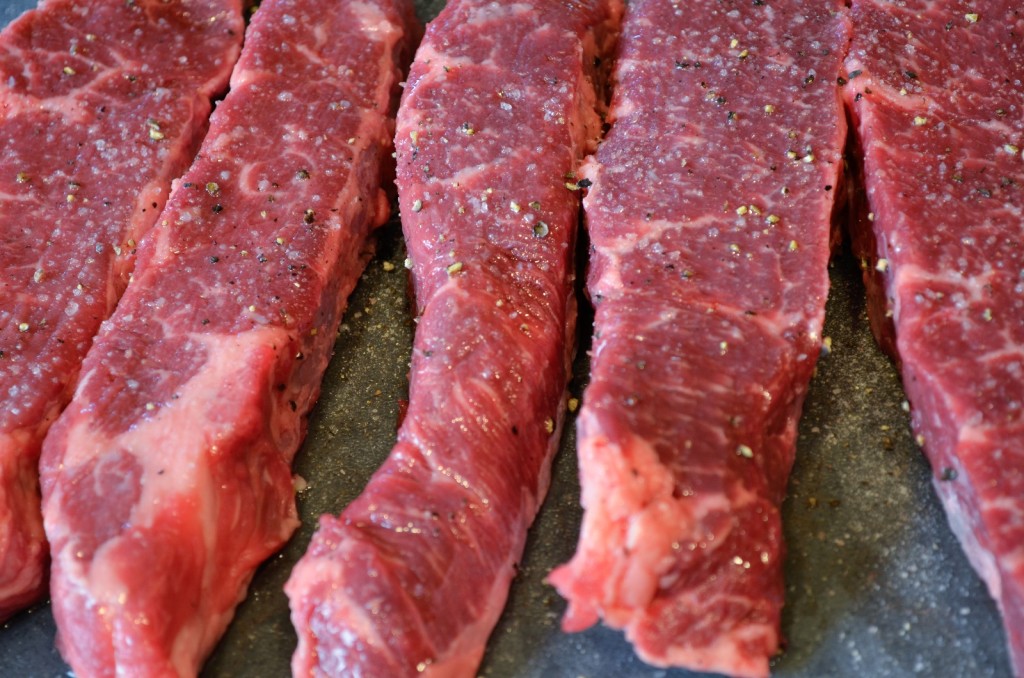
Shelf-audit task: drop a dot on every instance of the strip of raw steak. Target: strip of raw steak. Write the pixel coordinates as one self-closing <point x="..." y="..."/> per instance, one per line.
<point x="937" y="97"/>
<point x="101" y="105"/>
<point x="166" y="481"/>
<point x="498" y="112"/>
<point x="709" y="219"/>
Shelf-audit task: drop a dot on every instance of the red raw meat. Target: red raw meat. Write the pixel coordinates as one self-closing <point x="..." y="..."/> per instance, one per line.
<point x="101" y="105"/>
<point x="938" y="103"/>
<point x="498" y="112"/>
<point x="167" y="481"/>
<point x="709" y="218"/>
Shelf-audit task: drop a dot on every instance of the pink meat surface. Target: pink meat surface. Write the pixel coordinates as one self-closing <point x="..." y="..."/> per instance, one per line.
<point x="498" y="112"/>
<point x="937" y="96"/>
<point x="709" y="219"/>
<point x="166" y="481"/>
<point x="101" y="105"/>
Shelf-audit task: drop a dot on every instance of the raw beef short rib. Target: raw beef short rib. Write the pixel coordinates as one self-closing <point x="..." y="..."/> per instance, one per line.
<point x="498" y="112"/>
<point x="167" y="479"/>
<point x="710" y="219"/>
<point x="938" y="103"/>
<point x="101" y="105"/>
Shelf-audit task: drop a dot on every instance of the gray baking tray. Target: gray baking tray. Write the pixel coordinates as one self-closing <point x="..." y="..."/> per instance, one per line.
<point x="876" y="584"/>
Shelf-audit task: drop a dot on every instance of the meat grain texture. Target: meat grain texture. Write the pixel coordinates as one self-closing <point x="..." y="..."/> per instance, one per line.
<point x="499" y="110"/>
<point x="101" y="105"/>
<point x="938" y="101"/>
<point x="167" y="479"/>
<point x="709" y="219"/>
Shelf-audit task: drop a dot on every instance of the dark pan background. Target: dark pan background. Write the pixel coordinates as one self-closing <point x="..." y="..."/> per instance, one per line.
<point x="876" y="584"/>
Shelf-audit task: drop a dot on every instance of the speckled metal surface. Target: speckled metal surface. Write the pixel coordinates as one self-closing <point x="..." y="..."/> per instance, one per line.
<point x="877" y="585"/>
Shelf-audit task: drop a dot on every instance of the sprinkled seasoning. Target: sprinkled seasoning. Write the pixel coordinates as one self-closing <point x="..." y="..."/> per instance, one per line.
<point x="540" y="230"/>
<point x="218" y="208"/>
<point x="213" y="189"/>
<point x="744" y="54"/>
<point x="793" y="245"/>
<point x="309" y="216"/>
<point x="741" y="210"/>
<point x="22" y="178"/>
<point x="302" y="175"/>
<point x="454" y="268"/>
<point x="68" y="70"/>
<point x="971" y="18"/>
<point x="920" y="120"/>
<point x="515" y="207"/>
<point x="23" y="327"/>
<point x="534" y="204"/>
<point x="882" y="265"/>
<point x="573" y="404"/>
<point x="987" y="315"/>
<point x="39" y="275"/>
<point x="549" y="425"/>
<point x="417" y="205"/>
<point x="769" y="109"/>
<point x="467" y="128"/>
<point x="155" y="133"/>
<point x="772" y="219"/>
<point x="1011" y="149"/>
<point x="745" y="451"/>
